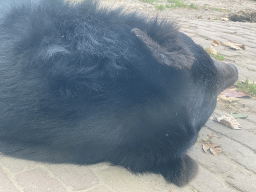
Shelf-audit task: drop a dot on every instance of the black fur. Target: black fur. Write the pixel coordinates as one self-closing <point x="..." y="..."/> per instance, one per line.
<point x="77" y="82"/>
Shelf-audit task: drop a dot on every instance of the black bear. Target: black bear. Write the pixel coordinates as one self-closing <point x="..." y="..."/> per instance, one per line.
<point x="97" y="85"/>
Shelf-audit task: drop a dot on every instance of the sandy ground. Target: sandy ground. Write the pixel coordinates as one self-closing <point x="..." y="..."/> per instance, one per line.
<point x="205" y="9"/>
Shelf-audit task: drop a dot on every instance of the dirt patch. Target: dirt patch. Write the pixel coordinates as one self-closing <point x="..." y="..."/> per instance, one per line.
<point x="235" y="107"/>
<point x="205" y="9"/>
<point x="248" y="15"/>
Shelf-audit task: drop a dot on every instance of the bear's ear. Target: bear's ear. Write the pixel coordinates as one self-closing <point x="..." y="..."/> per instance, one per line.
<point x="181" y="59"/>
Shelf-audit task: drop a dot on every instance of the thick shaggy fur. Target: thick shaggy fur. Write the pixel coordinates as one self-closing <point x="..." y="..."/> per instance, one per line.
<point x="78" y="83"/>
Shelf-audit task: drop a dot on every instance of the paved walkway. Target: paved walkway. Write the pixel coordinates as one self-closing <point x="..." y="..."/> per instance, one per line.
<point x="234" y="170"/>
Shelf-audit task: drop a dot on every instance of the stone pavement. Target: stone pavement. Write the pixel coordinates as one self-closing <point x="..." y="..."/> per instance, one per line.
<point x="233" y="170"/>
<point x="204" y="32"/>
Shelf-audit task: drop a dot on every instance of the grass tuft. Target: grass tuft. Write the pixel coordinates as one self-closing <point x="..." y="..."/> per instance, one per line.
<point x="149" y="1"/>
<point x="160" y="7"/>
<point x="178" y="3"/>
<point x="247" y="87"/>
<point x="218" y="57"/>
<point x="216" y="9"/>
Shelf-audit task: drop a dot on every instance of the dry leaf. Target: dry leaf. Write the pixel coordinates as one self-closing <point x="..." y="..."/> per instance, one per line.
<point x="206" y="147"/>
<point x="227" y="99"/>
<point x="213" y="135"/>
<point x="212" y="50"/>
<point x="215" y="149"/>
<point x="234" y="93"/>
<point x="229" y="121"/>
<point x="224" y="19"/>
<point x="234" y="46"/>
<point x="240" y="45"/>
<point x="215" y="43"/>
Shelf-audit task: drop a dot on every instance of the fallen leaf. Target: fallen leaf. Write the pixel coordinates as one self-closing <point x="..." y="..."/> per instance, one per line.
<point x="234" y="46"/>
<point x="234" y="93"/>
<point x="241" y="116"/>
<point x="224" y="19"/>
<point x="212" y="51"/>
<point x="215" y="149"/>
<point x="227" y="99"/>
<point x="240" y="45"/>
<point x="206" y="147"/>
<point x="229" y="121"/>
<point x="213" y="135"/>
<point x="215" y="43"/>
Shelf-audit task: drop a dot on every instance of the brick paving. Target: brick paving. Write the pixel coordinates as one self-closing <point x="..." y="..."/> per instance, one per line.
<point x="234" y="170"/>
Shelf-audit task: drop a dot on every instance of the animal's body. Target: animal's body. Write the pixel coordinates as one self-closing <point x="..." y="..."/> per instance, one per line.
<point x="94" y="85"/>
